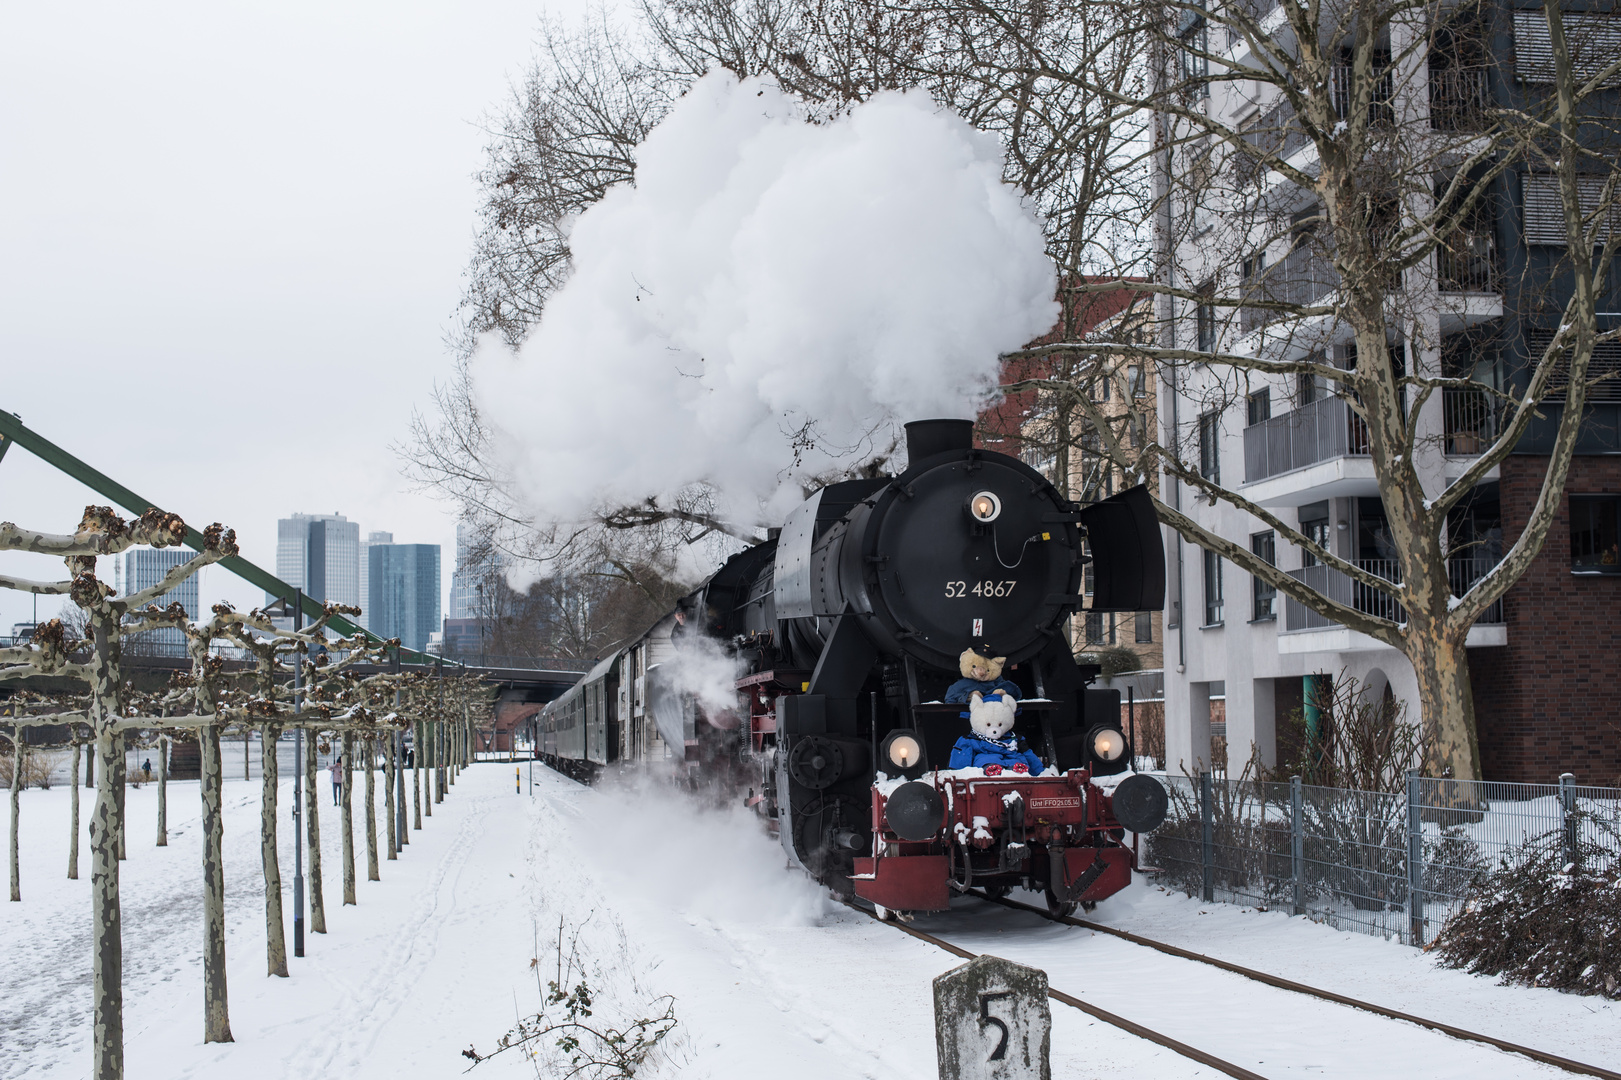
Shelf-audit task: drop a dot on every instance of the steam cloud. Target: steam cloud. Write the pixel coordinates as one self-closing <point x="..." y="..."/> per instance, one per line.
<point x="763" y="272"/>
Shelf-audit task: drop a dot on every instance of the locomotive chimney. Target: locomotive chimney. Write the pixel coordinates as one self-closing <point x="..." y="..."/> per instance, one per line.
<point x="925" y="438"/>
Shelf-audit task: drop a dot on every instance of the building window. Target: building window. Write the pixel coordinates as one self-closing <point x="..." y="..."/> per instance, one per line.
<point x="1099" y="628"/>
<point x="1212" y="589"/>
<point x="1265" y="546"/>
<point x="1205" y="318"/>
<point x="1194" y="32"/>
<point x="1210" y="447"/>
<point x="1135" y="379"/>
<point x="1595" y="534"/>
<point x="1314" y="523"/>
<point x="1145" y="627"/>
<point x="1260" y="407"/>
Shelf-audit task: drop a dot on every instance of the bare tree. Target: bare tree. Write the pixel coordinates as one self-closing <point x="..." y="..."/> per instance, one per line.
<point x="1369" y="163"/>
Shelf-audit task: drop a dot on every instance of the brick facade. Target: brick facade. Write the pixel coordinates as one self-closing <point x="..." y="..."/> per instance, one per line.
<point x="1550" y="701"/>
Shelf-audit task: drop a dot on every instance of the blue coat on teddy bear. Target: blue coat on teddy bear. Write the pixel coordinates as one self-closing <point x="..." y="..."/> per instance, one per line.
<point x="992" y="746"/>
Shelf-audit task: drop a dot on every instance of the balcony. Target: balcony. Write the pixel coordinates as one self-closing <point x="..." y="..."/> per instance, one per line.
<point x="1303" y="277"/>
<point x="1381" y="113"/>
<point x="1317" y="432"/>
<point x="1462" y="573"/>
<point x="1458" y="98"/>
<point x="1467" y="262"/>
<point x="1470" y="419"/>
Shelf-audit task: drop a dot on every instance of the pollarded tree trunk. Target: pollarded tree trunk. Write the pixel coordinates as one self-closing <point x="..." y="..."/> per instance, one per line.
<point x="388" y="796"/>
<point x="16" y="807"/>
<point x="371" y="810"/>
<point x="216" y="1004"/>
<point x="108" y="958"/>
<point x="73" y="824"/>
<point x="270" y="778"/>
<point x="312" y="807"/>
<point x="416" y="776"/>
<point x="345" y="811"/>
<point x="438" y="762"/>
<point x="163" y="791"/>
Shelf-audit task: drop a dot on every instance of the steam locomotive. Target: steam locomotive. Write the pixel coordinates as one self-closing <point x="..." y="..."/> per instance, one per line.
<point x="845" y="628"/>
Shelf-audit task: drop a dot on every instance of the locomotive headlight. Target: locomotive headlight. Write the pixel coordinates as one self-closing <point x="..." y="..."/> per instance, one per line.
<point x="985" y="507"/>
<point x="904" y="751"/>
<point x="1108" y="744"/>
<point x="902" y="754"/>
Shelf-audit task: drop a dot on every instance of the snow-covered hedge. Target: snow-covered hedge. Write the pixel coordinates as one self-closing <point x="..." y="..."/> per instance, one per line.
<point x="1540" y="920"/>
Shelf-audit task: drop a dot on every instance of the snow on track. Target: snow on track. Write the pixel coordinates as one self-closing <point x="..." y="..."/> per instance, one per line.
<point x="655" y="896"/>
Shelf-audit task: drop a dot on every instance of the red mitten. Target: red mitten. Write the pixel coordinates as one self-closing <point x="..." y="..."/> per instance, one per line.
<point x="993" y="769"/>
<point x="1020" y="767"/>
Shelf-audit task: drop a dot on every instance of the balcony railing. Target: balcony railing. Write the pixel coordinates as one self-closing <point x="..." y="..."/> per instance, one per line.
<point x="1458" y="98"/>
<point x="1380" y="111"/>
<point x="1304" y="276"/>
<point x="1467" y="262"/>
<point x="1470" y="418"/>
<point x="1462" y="573"/>
<point x="1317" y="432"/>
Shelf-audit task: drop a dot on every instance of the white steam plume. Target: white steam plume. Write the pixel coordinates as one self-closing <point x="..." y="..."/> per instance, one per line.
<point x="763" y="273"/>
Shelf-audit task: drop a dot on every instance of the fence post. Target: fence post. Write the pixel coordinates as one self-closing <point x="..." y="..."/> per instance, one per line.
<point x="1415" y="861"/>
<point x="1567" y="804"/>
<point x="1207" y="845"/>
<point x="1297" y="845"/>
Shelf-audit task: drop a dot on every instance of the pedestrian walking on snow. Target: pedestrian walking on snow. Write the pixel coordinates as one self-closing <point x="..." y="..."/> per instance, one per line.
<point x="337" y="779"/>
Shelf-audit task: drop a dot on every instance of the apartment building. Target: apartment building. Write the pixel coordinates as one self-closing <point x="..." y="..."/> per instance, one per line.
<point x="1543" y="659"/>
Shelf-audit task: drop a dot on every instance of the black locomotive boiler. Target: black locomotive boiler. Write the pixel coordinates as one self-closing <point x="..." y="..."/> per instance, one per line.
<point x="847" y="627"/>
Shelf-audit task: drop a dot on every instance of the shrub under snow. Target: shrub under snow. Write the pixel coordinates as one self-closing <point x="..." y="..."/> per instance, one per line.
<point x="1539" y="920"/>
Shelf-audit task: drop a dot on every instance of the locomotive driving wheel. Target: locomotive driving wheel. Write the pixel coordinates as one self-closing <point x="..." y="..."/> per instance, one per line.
<point x="832" y="831"/>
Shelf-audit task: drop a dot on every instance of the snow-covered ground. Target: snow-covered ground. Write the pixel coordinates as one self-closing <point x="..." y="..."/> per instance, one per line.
<point x="651" y="896"/>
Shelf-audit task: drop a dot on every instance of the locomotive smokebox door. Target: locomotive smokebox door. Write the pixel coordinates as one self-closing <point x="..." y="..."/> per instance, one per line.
<point x="992" y="1022"/>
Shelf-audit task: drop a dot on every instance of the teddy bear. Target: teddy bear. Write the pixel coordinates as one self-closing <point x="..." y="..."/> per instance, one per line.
<point x="992" y="746"/>
<point x="982" y="673"/>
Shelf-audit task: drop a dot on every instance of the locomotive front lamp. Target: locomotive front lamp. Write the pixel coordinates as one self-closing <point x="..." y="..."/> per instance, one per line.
<point x="984" y="507"/>
<point x="904" y="751"/>
<point x="1108" y="744"/>
<point x="902" y="754"/>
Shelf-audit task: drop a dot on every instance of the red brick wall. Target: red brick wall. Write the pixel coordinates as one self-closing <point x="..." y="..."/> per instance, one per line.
<point x="1550" y="701"/>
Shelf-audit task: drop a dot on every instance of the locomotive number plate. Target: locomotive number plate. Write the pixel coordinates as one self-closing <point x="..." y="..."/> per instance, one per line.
<point x="979" y="588"/>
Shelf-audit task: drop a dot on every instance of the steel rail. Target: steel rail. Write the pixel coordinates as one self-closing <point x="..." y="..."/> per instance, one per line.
<point x="1568" y="1064"/>
<point x="1238" y="1072"/>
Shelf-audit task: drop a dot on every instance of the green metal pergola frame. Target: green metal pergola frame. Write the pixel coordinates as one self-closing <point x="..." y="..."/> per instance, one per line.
<point x="12" y="430"/>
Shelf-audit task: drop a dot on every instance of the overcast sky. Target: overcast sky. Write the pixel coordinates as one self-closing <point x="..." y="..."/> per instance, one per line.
<point x="231" y="242"/>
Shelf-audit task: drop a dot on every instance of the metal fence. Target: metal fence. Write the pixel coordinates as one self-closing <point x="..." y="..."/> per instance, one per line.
<point x="1397" y="865"/>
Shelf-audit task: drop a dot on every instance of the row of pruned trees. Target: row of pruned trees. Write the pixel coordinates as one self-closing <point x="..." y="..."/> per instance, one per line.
<point x="334" y="690"/>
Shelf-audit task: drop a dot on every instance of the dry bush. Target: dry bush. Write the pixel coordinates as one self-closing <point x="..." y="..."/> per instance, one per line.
<point x="1539" y="920"/>
<point x="36" y="768"/>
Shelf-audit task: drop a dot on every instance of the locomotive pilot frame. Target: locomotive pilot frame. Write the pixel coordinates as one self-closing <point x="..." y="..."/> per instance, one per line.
<point x="849" y="626"/>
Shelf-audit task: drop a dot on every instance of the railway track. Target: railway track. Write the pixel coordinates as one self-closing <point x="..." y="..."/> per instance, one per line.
<point x="1204" y="1057"/>
<point x="1141" y="1031"/>
<point x="1567" y="1064"/>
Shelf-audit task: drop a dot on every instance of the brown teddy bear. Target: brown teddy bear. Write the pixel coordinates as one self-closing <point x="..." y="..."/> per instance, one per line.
<point x="982" y="673"/>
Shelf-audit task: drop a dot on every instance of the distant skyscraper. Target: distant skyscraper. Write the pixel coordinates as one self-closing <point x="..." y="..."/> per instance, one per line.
<point x="365" y="573"/>
<point x="142" y="568"/>
<point x="403" y="582"/>
<point x="469" y="574"/>
<point x="320" y="553"/>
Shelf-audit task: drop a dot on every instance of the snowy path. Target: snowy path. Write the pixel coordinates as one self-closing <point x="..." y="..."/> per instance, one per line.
<point x="659" y="898"/>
